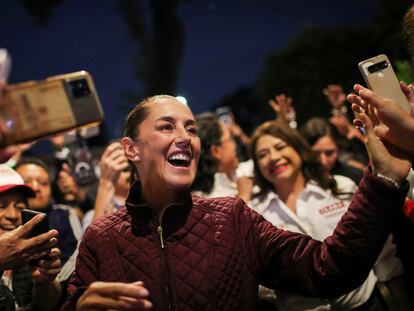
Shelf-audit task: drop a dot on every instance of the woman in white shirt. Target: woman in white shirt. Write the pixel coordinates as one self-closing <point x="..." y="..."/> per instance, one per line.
<point x="216" y="172"/>
<point x="297" y="195"/>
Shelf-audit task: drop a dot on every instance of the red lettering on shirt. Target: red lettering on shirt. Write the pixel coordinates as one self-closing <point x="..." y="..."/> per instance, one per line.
<point x="331" y="208"/>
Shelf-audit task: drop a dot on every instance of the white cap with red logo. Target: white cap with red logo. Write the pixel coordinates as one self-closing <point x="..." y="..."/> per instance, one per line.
<point x="10" y="179"/>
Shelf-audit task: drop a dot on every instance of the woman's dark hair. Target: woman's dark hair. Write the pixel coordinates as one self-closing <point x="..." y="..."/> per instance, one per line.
<point x="139" y="114"/>
<point x="134" y="119"/>
<point x="210" y="135"/>
<point x="316" y="128"/>
<point x="311" y="166"/>
<point x="34" y="161"/>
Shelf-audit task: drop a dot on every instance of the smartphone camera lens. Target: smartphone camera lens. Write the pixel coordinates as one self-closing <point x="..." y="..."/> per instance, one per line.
<point x="79" y="88"/>
<point x="378" y="67"/>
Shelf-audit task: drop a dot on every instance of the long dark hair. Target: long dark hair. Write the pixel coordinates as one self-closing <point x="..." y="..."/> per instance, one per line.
<point x="210" y="133"/>
<point x="311" y="166"/>
<point x="316" y="128"/>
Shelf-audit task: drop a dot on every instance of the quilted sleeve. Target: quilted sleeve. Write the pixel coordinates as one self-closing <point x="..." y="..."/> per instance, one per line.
<point x="296" y="263"/>
<point x="85" y="272"/>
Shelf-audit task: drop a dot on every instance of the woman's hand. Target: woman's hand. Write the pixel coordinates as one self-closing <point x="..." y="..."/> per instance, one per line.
<point x="335" y="95"/>
<point x="113" y="162"/>
<point x="397" y="125"/>
<point x="114" y="296"/>
<point x="386" y="159"/>
<point x="282" y="105"/>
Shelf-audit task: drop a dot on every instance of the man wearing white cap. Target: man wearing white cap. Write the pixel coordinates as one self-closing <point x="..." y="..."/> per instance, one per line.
<point x="23" y="286"/>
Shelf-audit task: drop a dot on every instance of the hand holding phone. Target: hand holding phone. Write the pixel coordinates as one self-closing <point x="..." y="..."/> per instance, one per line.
<point x="37" y="109"/>
<point x="24" y="248"/>
<point x="38" y="229"/>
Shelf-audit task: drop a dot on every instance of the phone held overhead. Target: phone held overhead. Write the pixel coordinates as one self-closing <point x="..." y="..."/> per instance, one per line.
<point x="37" y="109"/>
<point x="380" y="77"/>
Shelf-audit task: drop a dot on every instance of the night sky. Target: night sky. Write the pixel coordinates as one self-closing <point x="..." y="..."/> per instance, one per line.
<point x="226" y="44"/>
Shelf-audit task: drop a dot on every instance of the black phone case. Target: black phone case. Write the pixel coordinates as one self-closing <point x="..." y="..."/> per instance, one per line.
<point x="40" y="228"/>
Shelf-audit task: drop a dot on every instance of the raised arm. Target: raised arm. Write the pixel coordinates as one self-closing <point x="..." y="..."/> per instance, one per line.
<point x="296" y="263"/>
<point x="397" y="125"/>
<point x="113" y="161"/>
<point x="16" y="249"/>
<point x="283" y="107"/>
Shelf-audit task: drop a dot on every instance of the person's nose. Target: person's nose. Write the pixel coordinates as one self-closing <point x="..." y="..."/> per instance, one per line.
<point x="323" y="159"/>
<point x="34" y="184"/>
<point x="275" y="155"/>
<point x="12" y="213"/>
<point x="183" y="138"/>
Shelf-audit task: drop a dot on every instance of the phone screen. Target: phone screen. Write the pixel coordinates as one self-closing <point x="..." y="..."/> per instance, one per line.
<point x="225" y="115"/>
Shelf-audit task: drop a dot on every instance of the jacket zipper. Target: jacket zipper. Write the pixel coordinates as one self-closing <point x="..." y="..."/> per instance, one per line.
<point x="161" y="237"/>
<point x="159" y="229"/>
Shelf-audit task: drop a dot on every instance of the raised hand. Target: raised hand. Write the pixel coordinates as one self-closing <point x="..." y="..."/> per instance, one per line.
<point x="15" y="249"/>
<point x="396" y="126"/>
<point x="386" y="159"/>
<point x="408" y="91"/>
<point x="113" y="162"/>
<point x="335" y="95"/>
<point x="283" y="107"/>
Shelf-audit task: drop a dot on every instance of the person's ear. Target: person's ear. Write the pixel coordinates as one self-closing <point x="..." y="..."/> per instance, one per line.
<point x="131" y="149"/>
<point x="215" y="152"/>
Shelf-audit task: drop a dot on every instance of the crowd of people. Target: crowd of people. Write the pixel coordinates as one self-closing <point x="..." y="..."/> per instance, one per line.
<point x="172" y="217"/>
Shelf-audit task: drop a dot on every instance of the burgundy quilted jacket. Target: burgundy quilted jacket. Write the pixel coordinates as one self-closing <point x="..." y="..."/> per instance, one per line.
<point x="211" y="254"/>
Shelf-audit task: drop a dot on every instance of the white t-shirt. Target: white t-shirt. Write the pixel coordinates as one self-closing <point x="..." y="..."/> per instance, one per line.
<point x="227" y="187"/>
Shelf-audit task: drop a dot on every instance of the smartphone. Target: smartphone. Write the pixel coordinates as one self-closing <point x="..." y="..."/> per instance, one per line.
<point x="37" y="109"/>
<point x="380" y="77"/>
<point x="41" y="227"/>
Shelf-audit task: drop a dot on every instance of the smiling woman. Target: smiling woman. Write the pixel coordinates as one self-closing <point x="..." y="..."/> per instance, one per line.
<point x="171" y="250"/>
<point x="165" y="151"/>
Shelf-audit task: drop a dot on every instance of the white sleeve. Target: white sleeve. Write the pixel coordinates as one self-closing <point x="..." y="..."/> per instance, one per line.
<point x="245" y="169"/>
<point x="388" y="265"/>
<point x="87" y="219"/>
